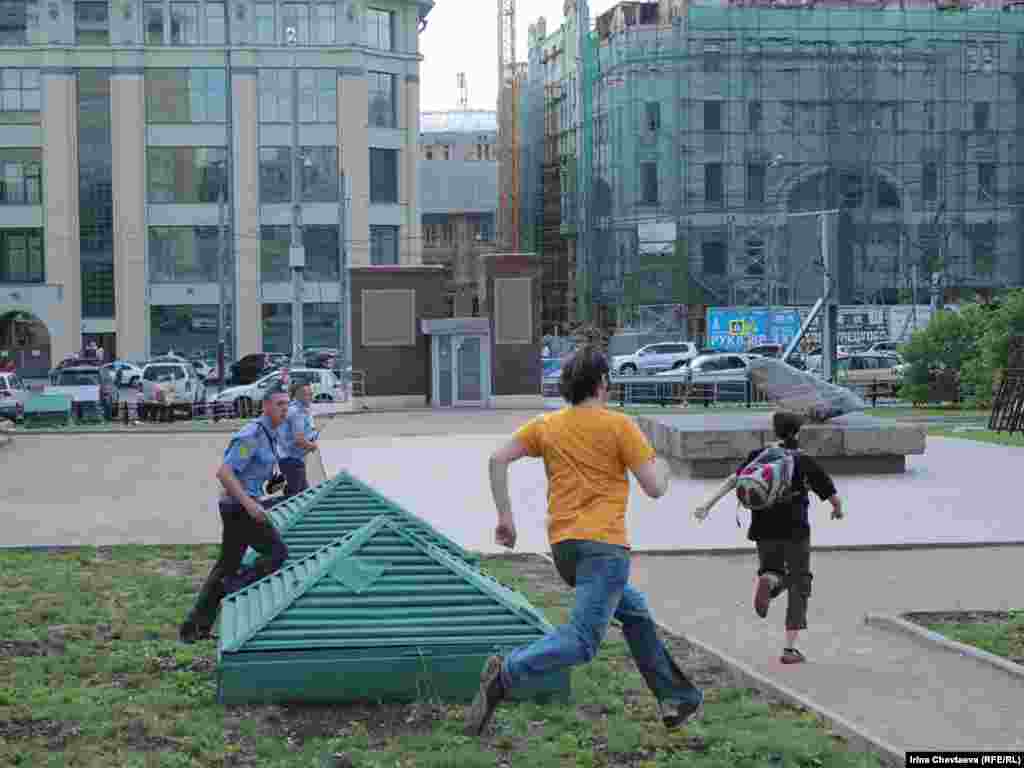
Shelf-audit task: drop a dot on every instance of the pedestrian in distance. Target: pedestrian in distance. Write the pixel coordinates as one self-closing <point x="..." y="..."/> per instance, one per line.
<point x="248" y="464"/>
<point x="774" y="485"/>
<point x="588" y="451"/>
<point x="298" y="438"/>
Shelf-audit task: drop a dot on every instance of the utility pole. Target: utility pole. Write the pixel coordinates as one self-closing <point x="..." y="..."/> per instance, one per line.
<point x="222" y="248"/>
<point x="830" y="317"/>
<point x="345" y="306"/>
<point x="296" y="251"/>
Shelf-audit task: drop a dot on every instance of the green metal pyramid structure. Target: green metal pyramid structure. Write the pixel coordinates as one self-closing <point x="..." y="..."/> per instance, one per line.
<point x="379" y="614"/>
<point x="339" y="506"/>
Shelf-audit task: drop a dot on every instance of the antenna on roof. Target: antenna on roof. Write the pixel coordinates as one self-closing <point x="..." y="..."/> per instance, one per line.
<point x="463" y="91"/>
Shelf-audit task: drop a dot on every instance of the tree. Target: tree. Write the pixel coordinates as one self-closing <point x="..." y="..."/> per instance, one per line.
<point x="1001" y="321"/>
<point x="948" y="343"/>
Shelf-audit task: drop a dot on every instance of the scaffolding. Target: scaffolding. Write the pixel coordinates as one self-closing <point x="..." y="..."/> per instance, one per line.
<point x="704" y="127"/>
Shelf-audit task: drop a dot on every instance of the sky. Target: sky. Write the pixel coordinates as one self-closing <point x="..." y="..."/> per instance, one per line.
<point x="462" y="36"/>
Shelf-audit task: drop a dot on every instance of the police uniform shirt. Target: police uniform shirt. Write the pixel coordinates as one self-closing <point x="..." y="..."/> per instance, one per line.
<point x="299" y="422"/>
<point x="251" y="455"/>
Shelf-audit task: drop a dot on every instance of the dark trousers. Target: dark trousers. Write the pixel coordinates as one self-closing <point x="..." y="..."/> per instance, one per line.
<point x="790" y="560"/>
<point x="294" y="471"/>
<point x="240" y="532"/>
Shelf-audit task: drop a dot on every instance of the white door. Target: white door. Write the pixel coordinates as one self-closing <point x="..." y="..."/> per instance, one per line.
<point x="468" y="372"/>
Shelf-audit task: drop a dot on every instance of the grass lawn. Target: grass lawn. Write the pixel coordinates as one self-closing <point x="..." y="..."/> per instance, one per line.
<point x="996" y="632"/>
<point x="980" y="436"/>
<point x="91" y="675"/>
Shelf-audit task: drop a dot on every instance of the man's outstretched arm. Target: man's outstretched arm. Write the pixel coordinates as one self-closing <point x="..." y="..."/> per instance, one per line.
<point x="513" y="450"/>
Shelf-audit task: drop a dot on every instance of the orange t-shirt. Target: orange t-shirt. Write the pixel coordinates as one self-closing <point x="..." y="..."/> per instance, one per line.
<point x="587" y="452"/>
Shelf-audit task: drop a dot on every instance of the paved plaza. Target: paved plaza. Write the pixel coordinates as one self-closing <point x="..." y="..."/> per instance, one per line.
<point x="890" y="689"/>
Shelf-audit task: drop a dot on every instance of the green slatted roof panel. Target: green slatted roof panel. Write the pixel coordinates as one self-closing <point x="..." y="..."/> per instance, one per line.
<point x="379" y="614"/>
<point x="339" y="506"/>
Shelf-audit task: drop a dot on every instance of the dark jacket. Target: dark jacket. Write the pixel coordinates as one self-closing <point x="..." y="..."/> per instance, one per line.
<point x="788" y="519"/>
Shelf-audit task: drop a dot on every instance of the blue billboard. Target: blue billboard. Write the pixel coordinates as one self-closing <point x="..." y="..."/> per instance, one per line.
<point x="740" y="328"/>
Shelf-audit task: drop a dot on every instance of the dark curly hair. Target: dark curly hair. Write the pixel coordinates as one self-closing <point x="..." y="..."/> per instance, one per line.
<point x="582" y="374"/>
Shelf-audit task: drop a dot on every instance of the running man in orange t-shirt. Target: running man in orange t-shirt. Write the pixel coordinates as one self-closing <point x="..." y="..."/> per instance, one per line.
<point x="587" y="451"/>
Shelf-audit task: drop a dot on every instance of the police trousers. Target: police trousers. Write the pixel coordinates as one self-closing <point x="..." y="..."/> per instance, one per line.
<point x="240" y="532"/>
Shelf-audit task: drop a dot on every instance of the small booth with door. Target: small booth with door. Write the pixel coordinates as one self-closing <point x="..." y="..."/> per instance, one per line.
<point x="460" y="361"/>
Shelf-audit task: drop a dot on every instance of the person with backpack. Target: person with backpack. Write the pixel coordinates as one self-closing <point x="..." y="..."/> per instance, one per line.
<point x="773" y="484"/>
<point x="588" y="452"/>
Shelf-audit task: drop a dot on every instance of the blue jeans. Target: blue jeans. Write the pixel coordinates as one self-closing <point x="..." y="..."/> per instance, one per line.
<point x="600" y="573"/>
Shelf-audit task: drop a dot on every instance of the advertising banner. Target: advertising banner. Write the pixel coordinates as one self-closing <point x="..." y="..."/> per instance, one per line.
<point x="739" y="328"/>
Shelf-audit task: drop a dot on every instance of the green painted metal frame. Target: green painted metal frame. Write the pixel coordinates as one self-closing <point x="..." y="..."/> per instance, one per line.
<point x="378" y="642"/>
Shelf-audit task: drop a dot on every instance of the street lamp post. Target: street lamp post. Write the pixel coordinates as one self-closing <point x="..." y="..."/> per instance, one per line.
<point x="296" y="250"/>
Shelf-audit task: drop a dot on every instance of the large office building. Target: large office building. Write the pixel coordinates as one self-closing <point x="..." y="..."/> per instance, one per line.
<point x="711" y="133"/>
<point x="141" y="140"/>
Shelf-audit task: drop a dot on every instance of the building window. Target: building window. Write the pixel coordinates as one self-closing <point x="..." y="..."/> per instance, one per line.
<point x="295" y="23"/>
<point x="186" y="174"/>
<point x="275" y="94"/>
<point x="275" y="175"/>
<point x="649" y="183"/>
<point x="384" y="245"/>
<point x="713" y="191"/>
<point x="22" y="180"/>
<point x="755" y="114"/>
<point x="186" y="95"/>
<point x="215" y="23"/>
<point x="319" y="174"/>
<point x="986" y="182"/>
<point x="713" y="255"/>
<point x="265" y="23"/>
<point x="324" y="23"/>
<point x="13" y="22"/>
<point x="712" y="115"/>
<point x="981" y="115"/>
<point x="318" y="96"/>
<point x="930" y="181"/>
<point x="380" y="29"/>
<point x="429" y="153"/>
<point x="383" y="175"/>
<point x="20" y="96"/>
<point x="712" y="57"/>
<point x="184" y="24"/>
<point x="21" y="256"/>
<point x="154" y="21"/>
<point x="183" y="254"/>
<point x="929" y="115"/>
<point x="92" y="23"/>
<point x="756" y="182"/>
<point x="382" y="100"/>
<point x="322" y="255"/>
<point x="652" y="116"/>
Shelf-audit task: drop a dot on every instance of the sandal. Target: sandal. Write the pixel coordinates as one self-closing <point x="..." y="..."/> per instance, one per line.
<point x="792" y="656"/>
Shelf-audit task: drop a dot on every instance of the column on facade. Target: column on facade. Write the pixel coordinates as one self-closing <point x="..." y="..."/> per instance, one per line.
<point x="128" y="134"/>
<point x="60" y="189"/>
<point x="354" y="151"/>
<point x="248" y="311"/>
<point x="410" y="231"/>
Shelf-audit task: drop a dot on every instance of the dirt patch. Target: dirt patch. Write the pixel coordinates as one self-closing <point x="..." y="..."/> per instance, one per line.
<point x="957" y="617"/>
<point x="137" y="736"/>
<point x="55" y="732"/>
<point x="174" y="569"/>
<point x="705" y="671"/>
<point x="11" y="648"/>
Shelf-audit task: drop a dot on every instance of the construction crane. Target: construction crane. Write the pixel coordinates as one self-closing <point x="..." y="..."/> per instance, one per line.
<point x="508" y="126"/>
<point x="463" y="90"/>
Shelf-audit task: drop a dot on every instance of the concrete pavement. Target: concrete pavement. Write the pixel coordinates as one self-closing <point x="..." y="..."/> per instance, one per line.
<point x="951" y="495"/>
<point x="892" y="688"/>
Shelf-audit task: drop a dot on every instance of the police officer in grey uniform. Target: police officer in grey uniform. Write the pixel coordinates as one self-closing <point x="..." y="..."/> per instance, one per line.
<point x="248" y="464"/>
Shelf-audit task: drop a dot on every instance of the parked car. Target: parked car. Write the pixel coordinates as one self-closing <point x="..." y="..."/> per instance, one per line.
<point x="130" y="374"/>
<point x="655" y="357"/>
<point x="203" y="368"/>
<point x="14" y="393"/>
<point x="796" y="360"/>
<point x="79" y="381"/>
<point x="885" y="347"/>
<point x="321" y="358"/>
<point x="866" y="371"/>
<point x="718" y="377"/>
<point x="327" y="387"/>
<point x="249" y="369"/>
<point x="171" y="382"/>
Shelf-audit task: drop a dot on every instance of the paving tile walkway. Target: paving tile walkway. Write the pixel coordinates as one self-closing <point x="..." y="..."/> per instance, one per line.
<point x="898" y="690"/>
